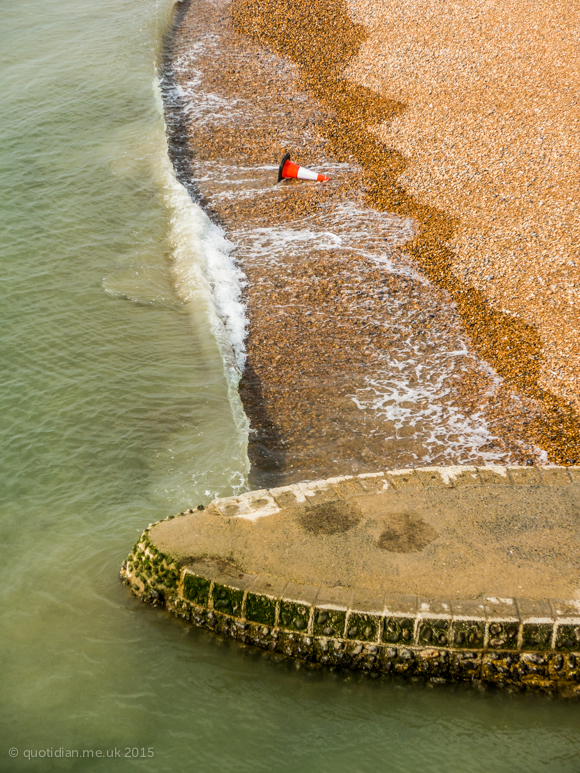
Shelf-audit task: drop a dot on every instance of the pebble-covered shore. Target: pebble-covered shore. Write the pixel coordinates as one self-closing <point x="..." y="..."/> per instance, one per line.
<point x="354" y="360"/>
<point x="367" y="76"/>
<point x="490" y="137"/>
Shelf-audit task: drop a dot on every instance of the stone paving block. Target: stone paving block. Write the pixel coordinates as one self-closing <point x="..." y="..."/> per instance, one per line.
<point x="235" y="579"/>
<point x="257" y="504"/>
<point x="195" y="570"/>
<point x="494" y="474"/>
<point x="566" y="609"/>
<point x="500" y="608"/>
<point x="404" y="480"/>
<point x="468" y="609"/>
<point x="555" y="476"/>
<point x="534" y="608"/>
<point x="305" y="594"/>
<point x="464" y="476"/>
<point x="367" y="601"/>
<point x="401" y="605"/>
<point x="318" y="493"/>
<point x="449" y="477"/>
<point x="289" y="496"/>
<point x="214" y="570"/>
<point x="338" y="596"/>
<point x="346" y="487"/>
<point x="269" y="585"/>
<point x="434" y="607"/>
<point x="431" y="477"/>
<point x="247" y="504"/>
<point x="524" y="476"/>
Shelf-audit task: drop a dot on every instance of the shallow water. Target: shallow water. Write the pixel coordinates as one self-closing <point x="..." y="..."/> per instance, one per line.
<point x="117" y="407"/>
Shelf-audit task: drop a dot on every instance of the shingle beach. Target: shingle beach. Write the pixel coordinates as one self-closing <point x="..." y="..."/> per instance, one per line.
<point x="490" y="136"/>
<point x="389" y="102"/>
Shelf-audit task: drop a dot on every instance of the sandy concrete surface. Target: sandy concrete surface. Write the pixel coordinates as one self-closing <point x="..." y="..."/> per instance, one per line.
<point x="490" y="135"/>
<point x="454" y="533"/>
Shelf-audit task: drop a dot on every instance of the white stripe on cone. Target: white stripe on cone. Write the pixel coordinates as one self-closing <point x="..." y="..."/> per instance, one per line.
<point x="306" y="174"/>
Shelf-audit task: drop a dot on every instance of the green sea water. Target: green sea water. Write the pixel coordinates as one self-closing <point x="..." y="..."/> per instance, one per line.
<point x="120" y="344"/>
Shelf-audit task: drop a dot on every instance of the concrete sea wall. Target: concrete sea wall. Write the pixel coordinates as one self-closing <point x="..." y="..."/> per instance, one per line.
<point x="522" y="642"/>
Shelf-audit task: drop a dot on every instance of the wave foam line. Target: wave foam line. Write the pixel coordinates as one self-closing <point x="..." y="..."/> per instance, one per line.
<point x="205" y="274"/>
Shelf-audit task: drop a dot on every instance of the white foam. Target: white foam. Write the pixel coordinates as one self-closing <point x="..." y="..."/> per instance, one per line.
<point x="363" y="233"/>
<point x="202" y="260"/>
<point x="194" y="101"/>
<point x="204" y="267"/>
<point x="208" y="280"/>
<point x="274" y="245"/>
<point x="415" y="394"/>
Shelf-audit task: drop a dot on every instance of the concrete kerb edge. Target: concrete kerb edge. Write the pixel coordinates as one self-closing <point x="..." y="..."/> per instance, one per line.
<point x="255" y="504"/>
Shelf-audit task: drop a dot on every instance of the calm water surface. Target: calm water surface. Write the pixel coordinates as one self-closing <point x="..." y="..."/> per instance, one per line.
<point x="120" y="342"/>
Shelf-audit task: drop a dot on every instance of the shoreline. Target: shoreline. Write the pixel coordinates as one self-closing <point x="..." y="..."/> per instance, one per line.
<point x="293" y="366"/>
<point x="511" y="345"/>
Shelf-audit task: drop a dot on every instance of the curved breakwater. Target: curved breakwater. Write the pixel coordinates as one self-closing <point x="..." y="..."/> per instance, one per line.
<point x="355" y="569"/>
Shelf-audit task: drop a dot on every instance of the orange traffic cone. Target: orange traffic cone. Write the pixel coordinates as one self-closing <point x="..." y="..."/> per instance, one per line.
<point x="289" y="169"/>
